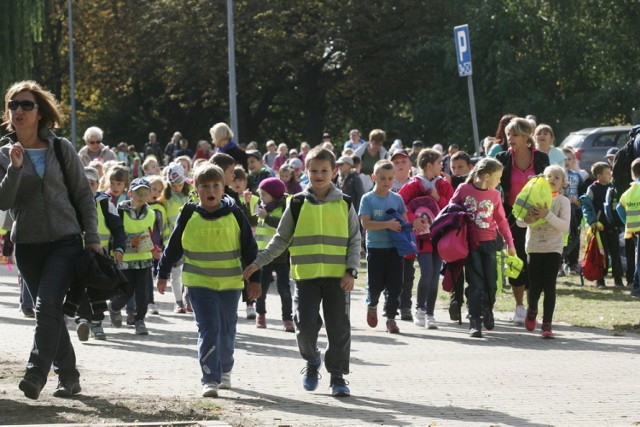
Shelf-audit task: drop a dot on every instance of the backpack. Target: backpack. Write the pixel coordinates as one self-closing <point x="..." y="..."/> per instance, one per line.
<point x="449" y="233"/>
<point x="535" y="192"/>
<point x="427" y="208"/>
<point x="622" y="162"/>
<point x="404" y="240"/>
<point x="594" y="263"/>
<point x="610" y="202"/>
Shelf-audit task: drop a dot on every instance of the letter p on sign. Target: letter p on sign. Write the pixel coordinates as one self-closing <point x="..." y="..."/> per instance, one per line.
<point x="463" y="50"/>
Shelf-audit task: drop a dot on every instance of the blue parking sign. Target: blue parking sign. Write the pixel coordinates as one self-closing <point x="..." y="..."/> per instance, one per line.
<point x="463" y="50"/>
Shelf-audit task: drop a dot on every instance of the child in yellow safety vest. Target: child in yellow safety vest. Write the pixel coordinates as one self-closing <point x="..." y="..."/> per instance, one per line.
<point x="139" y="221"/>
<point x="629" y="212"/>
<point x="273" y="202"/>
<point x="216" y="241"/>
<point x="321" y="229"/>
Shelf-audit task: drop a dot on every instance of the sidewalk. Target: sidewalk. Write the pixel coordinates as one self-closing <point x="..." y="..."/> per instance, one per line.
<point x="420" y="377"/>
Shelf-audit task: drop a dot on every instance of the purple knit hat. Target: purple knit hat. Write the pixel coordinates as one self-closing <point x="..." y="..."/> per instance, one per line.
<point x="273" y="186"/>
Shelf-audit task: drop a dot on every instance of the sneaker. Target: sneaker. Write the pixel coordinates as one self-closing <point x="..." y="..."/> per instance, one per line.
<point x="575" y="269"/>
<point x="153" y="309"/>
<point x="431" y="323"/>
<point x="618" y="282"/>
<point x="28" y="312"/>
<point x="475" y="328"/>
<point x="454" y="310"/>
<point x="114" y="316"/>
<point x="518" y="315"/>
<point x="179" y="308"/>
<point x="311" y="375"/>
<point x="339" y="386"/>
<point x="31" y="385"/>
<point x="67" y="388"/>
<point x="392" y="328"/>
<point x="419" y="317"/>
<point x="141" y="328"/>
<point x="131" y="319"/>
<point x="546" y="331"/>
<point x="210" y="389"/>
<point x="261" y="321"/>
<point x="225" y="381"/>
<point x="405" y="314"/>
<point x="251" y="312"/>
<point x="288" y="326"/>
<point x="97" y="332"/>
<point x="189" y="308"/>
<point x="83" y="330"/>
<point x="635" y="292"/>
<point x="372" y="316"/>
<point x="488" y="320"/>
<point x="530" y="321"/>
<point x="561" y="272"/>
<point x="600" y="283"/>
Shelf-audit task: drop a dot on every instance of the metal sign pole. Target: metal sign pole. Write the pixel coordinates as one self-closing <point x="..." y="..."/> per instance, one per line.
<point x="474" y="121"/>
<point x="463" y="56"/>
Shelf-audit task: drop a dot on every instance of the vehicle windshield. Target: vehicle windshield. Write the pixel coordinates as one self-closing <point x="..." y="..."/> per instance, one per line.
<point x="573" y="140"/>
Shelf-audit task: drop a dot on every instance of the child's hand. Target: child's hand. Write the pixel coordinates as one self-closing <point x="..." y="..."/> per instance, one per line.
<point x="541" y="211"/>
<point x="247" y="195"/>
<point x="347" y="282"/>
<point x="162" y="286"/>
<point x="118" y="256"/>
<point x="254" y="290"/>
<point x="434" y="193"/>
<point x="512" y="251"/>
<point x="95" y="247"/>
<point x="419" y="225"/>
<point x="251" y="268"/>
<point x="156" y="252"/>
<point x="446" y="176"/>
<point x="262" y="213"/>
<point x="394" y="225"/>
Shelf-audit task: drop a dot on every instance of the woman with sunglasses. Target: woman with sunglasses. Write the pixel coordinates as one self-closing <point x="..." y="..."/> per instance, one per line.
<point x="47" y="229"/>
<point x="93" y="148"/>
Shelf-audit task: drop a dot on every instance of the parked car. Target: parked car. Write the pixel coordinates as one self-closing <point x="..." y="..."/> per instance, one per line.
<point x="591" y="144"/>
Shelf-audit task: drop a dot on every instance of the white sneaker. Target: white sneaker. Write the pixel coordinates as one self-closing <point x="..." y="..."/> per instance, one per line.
<point x="518" y="315"/>
<point x="210" y="389"/>
<point x="251" y="312"/>
<point x="153" y="309"/>
<point x="431" y="323"/>
<point x="419" y="316"/>
<point x="225" y="382"/>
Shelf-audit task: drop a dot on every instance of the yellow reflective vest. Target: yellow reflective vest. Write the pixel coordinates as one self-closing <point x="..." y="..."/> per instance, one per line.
<point x="136" y="229"/>
<point x="319" y="244"/>
<point x="212" y="253"/>
<point x="173" y="207"/>
<point x="166" y="231"/>
<point x="630" y="200"/>
<point x="103" y="230"/>
<point x="264" y="233"/>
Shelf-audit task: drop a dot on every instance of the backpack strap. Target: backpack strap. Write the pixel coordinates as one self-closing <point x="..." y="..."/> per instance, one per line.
<point x="57" y="148"/>
<point x="185" y="214"/>
<point x="297" y="201"/>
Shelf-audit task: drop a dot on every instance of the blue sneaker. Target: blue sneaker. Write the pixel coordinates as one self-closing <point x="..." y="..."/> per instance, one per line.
<point x="311" y="375"/>
<point x="339" y="386"/>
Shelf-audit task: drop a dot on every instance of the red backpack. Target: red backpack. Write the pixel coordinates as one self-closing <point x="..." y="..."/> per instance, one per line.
<point x="594" y="263"/>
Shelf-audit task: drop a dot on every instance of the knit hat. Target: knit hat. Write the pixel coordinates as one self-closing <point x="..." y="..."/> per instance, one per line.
<point x="273" y="186"/>
<point x="92" y="174"/>
<point x="175" y="174"/>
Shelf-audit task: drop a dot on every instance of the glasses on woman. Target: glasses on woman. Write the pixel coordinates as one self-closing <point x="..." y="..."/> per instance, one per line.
<point x="25" y="104"/>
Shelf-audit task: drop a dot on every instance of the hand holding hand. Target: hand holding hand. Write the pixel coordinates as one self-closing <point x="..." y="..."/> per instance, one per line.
<point x="254" y="290"/>
<point x="251" y="268"/>
<point x="162" y="286"/>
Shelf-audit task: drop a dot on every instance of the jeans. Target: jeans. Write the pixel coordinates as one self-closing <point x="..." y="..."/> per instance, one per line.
<point x="216" y="315"/>
<point x="284" y="289"/>
<point x="26" y="302"/>
<point x="408" y="277"/>
<point x="430" y="265"/>
<point x="481" y="273"/>
<point x="48" y="270"/>
<point x="336" y="304"/>
<point x="138" y="285"/>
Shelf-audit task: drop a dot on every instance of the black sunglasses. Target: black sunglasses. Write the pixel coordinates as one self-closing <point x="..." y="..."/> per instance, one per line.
<point x="26" y="105"/>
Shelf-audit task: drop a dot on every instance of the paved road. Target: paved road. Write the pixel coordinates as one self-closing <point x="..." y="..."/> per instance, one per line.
<point x="420" y="377"/>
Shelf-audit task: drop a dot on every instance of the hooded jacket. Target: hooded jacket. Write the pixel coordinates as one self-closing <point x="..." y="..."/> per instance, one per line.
<point x="40" y="207"/>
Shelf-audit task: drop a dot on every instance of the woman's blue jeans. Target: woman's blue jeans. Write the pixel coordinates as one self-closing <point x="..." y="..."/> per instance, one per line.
<point x="49" y="269"/>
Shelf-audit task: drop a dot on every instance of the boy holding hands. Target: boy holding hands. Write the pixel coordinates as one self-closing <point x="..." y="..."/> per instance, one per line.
<point x="320" y="228"/>
<point x="208" y="234"/>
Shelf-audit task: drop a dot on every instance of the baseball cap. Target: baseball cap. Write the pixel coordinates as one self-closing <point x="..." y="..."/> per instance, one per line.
<point x="139" y="183"/>
<point x="175" y="174"/>
<point x="293" y="151"/>
<point x="345" y="159"/>
<point x="254" y="153"/>
<point x="398" y="152"/>
<point x="611" y="152"/>
<point x="92" y="174"/>
<point x="326" y="135"/>
<point x="296" y="163"/>
<point x="418" y="144"/>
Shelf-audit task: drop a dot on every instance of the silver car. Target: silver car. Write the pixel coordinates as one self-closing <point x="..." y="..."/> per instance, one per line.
<point x="591" y="144"/>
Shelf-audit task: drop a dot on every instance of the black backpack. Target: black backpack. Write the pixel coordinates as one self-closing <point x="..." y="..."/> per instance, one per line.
<point x="622" y="162"/>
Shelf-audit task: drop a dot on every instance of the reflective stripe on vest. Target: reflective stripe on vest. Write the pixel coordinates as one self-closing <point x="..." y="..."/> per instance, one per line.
<point x="632" y="210"/>
<point x="103" y="230"/>
<point x="264" y="233"/>
<point x="319" y="244"/>
<point x="212" y="253"/>
<point x="134" y="228"/>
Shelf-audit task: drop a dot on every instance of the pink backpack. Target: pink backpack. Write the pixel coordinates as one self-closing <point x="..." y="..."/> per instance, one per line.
<point x="453" y="244"/>
<point x="424" y="207"/>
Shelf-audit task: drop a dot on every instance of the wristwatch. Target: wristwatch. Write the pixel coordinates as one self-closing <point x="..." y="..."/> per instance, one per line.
<point x="353" y="272"/>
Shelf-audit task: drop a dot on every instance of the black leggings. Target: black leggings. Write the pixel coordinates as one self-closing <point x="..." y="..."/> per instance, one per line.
<point x="543" y="271"/>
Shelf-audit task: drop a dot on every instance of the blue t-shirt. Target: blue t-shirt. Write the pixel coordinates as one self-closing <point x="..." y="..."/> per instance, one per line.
<point x="575" y="181"/>
<point x="38" y="157"/>
<point x="376" y="207"/>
